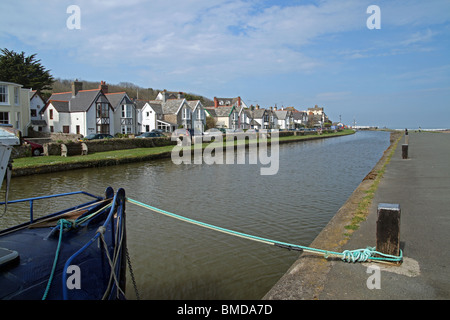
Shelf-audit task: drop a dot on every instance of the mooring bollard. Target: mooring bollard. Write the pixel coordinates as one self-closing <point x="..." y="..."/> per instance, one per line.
<point x="404" y="151"/>
<point x="388" y="229"/>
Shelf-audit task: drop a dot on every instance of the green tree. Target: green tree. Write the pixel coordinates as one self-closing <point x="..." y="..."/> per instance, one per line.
<point x="25" y="70"/>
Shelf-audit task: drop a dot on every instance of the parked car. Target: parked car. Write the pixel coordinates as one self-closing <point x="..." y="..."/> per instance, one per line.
<point x="36" y="148"/>
<point x="150" y="135"/>
<point x="95" y="136"/>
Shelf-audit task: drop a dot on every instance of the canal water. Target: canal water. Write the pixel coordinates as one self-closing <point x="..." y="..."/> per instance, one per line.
<point x="172" y="259"/>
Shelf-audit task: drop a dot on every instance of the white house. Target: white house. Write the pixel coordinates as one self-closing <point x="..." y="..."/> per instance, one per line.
<point x="79" y="111"/>
<point x="14" y="106"/>
<point x="167" y="113"/>
<point x="260" y="118"/>
<point x="285" y="119"/>
<point x="150" y="117"/>
<point x="36" y="105"/>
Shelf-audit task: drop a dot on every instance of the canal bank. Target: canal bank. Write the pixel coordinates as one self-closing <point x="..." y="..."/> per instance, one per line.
<point x="420" y="185"/>
<point x="30" y="166"/>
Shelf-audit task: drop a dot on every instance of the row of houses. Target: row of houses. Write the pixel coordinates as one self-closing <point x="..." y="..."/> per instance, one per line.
<point x="84" y="112"/>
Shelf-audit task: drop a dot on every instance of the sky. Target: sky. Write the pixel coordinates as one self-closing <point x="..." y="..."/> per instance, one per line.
<point x="298" y="53"/>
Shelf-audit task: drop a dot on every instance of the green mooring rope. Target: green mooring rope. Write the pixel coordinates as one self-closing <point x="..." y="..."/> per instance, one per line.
<point x="359" y="255"/>
<point x="63" y="223"/>
<point x="67" y="224"/>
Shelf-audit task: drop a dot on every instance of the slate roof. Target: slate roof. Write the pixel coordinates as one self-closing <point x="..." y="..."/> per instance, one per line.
<point x="170" y="106"/>
<point x="115" y="99"/>
<point x="258" y="113"/>
<point x="281" y="114"/>
<point x="298" y="115"/>
<point x="193" y="104"/>
<point x="220" y="111"/>
<point x="60" y="106"/>
<point x="80" y="103"/>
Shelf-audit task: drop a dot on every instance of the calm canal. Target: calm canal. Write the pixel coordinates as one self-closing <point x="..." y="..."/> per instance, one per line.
<point x="175" y="260"/>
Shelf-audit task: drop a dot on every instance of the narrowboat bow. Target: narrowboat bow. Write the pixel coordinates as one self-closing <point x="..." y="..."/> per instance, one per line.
<point x="78" y="253"/>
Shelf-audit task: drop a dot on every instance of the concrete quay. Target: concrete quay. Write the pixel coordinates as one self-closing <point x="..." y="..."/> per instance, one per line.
<point x="420" y="184"/>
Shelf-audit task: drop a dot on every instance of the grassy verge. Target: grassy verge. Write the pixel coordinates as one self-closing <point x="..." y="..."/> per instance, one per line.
<point x="363" y="207"/>
<point x="122" y="156"/>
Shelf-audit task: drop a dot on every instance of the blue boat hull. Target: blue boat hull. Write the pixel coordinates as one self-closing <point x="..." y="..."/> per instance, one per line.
<point x="82" y="258"/>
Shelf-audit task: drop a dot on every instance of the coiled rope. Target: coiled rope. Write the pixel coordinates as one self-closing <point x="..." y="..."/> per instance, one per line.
<point x="359" y="255"/>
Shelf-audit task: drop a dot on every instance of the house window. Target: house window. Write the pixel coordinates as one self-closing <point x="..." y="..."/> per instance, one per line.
<point x="186" y="114"/>
<point x="66" y="129"/>
<point x="200" y="115"/>
<point x="126" y="129"/>
<point x="18" y="120"/>
<point x="126" y="111"/>
<point x="3" y="94"/>
<point x="4" y="117"/>
<point x="78" y="129"/>
<point x="16" y="96"/>
<point x="102" y="110"/>
<point x="51" y="114"/>
<point x="33" y="112"/>
<point x="52" y="129"/>
<point x="103" y="128"/>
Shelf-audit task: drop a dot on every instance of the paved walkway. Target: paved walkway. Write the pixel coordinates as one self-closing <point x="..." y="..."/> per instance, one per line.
<point x="421" y="185"/>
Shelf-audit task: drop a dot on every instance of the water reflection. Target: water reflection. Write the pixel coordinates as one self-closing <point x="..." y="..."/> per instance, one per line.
<point x="175" y="260"/>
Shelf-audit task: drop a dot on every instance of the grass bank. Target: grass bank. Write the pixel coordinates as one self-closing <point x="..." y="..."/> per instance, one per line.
<point x="363" y="206"/>
<point x="46" y="164"/>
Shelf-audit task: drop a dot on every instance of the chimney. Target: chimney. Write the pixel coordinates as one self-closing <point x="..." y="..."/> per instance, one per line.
<point x="239" y="101"/>
<point x="76" y="86"/>
<point x="275" y="108"/>
<point x="104" y="87"/>
<point x="164" y="95"/>
<point x="216" y="102"/>
<point x="257" y="107"/>
<point x="180" y="95"/>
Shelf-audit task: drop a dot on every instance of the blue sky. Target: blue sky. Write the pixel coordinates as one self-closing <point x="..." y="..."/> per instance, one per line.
<point x="289" y="53"/>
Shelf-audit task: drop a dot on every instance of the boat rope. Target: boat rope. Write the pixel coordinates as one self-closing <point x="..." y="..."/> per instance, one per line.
<point x="112" y="264"/>
<point x="64" y="224"/>
<point x="359" y="255"/>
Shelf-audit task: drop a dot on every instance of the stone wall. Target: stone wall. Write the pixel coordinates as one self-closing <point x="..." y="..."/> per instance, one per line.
<point x="54" y="148"/>
<point x="21" y="151"/>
